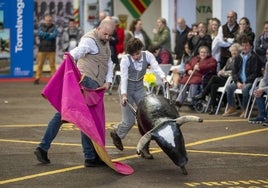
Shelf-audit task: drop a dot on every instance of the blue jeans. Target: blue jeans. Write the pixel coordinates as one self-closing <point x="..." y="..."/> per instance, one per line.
<point x="260" y="101"/>
<point x="193" y="89"/>
<point x="245" y="92"/>
<point x="55" y="124"/>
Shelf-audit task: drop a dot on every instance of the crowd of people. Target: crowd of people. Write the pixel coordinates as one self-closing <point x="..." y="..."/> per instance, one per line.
<point x="203" y="51"/>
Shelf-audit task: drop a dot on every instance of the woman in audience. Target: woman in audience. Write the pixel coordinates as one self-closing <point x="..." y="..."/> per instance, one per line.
<point x="178" y="70"/>
<point x="136" y="31"/>
<point x="261" y="44"/>
<point x="197" y="67"/>
<point x="244" y="30"/>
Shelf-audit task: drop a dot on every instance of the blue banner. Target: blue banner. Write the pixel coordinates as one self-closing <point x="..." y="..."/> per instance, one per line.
<point x="16" y="38"/>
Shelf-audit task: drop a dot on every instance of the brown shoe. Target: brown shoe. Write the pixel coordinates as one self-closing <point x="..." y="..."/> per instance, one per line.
<point x="230" y="111"/>
<point x="242" y="115"/>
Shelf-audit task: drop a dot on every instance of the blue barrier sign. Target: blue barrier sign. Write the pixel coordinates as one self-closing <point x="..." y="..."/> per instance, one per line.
<point x="16" y="38"/>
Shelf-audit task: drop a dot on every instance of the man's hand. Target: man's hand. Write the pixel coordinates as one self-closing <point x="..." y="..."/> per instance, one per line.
<point x="239" y="85"/>
<point x="106" y="85"/>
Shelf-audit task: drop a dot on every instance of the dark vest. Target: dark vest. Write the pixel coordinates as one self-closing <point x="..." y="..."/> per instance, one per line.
<point x="228" y="34"/>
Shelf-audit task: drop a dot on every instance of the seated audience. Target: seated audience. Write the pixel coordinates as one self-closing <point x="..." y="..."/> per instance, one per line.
<point x="219" y="80"/>
<point x="247" y="67"/>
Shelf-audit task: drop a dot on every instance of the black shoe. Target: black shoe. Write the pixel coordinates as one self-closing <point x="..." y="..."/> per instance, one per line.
<point x="116" y="140"/>
<point x="94" y="163"/>
<point x="178" y="104"/>
<point x="257" y="120"/>
<point x="36" y="81"/>
<point x="265" y="123"/>
<point x="41" y="155"/>
<point x="212" y="110"/>
<point x="199" y="96"/>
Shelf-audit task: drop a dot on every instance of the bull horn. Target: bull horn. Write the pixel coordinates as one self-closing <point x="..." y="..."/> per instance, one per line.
<point x="184" y="119"/>
<point x="142" y="142"/>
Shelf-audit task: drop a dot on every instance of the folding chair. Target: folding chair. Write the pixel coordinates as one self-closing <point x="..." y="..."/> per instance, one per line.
<point x="117" y="75"/>
<point x="254" y="100"/>
<point x="222" y="90"/>
<point x="239" y="92"/>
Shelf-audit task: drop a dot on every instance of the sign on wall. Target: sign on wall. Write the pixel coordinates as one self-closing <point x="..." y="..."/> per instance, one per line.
<point x="16" y="38"/>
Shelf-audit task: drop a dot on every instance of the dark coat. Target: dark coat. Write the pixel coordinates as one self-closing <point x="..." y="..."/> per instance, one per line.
<point x="253" y="68"/>
<point x="180" y="41"/>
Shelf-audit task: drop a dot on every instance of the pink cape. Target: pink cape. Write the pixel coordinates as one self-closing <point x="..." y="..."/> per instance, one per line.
<point x="64" y="93"/>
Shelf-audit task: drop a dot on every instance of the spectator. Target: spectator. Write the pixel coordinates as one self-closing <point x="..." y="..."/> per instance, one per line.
<point x="161" y="34"/>
<point x="102" y="16"/>
<point x="261" y="44"/>
<point x="136" y="31"/>
<point x="225" y="37"/>
<point x="197" y="67"/>
<point x="133" y="67"/>
<point x="215" y="50"/>
<point x="94" y="62"/>
<point x="202" y="38"/>
<point x="180" y="37"/>
<point x="178" y="70"/>
<point x="260" y="99"/>
<point x="214" y="27"/>
<point x="244" y="30"/>
<point x="71" y="36"/>
<point x="47" y="33"/>
<point x="247" y="67"/>
<point x="162" y="55"/>
<point x="120" y="35"/>
<point x="219" y="80"/>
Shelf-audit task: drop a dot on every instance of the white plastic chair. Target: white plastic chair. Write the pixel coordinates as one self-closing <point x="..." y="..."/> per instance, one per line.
<point x="117" y="75"/>
<point x="239" y="92"/>
<point x="222" y="90"/>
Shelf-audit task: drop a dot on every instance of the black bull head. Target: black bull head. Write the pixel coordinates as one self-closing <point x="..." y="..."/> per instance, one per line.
<point x="159" y="120"/>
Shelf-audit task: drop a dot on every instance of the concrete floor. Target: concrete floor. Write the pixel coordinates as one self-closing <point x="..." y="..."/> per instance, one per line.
<point x="223" y="152"/>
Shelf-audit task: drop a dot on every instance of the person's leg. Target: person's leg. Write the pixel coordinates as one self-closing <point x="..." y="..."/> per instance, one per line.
<point x="51" y="132"/>
<point x="91" y="157"/>
<point x="261" y="107"/>
<point x="262" y="114"/>
<point x="217" y="82"/>
<point x="52" y="64"/>
<point x="41" y="57"/>
<point x="128" y="120"/>
<point x="245" y="92"/>
<point x="194" y="89"/>
<point x="182" y="95"/>
<point x="230" y="99"/>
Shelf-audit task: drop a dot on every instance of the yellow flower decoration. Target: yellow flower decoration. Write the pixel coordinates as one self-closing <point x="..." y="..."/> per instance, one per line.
<point x="150" y="79"/>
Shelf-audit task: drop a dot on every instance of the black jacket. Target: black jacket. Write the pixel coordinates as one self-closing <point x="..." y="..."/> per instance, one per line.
<point x="253" y="68"/>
